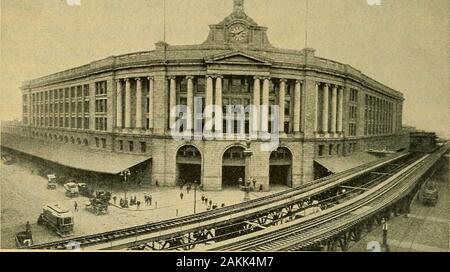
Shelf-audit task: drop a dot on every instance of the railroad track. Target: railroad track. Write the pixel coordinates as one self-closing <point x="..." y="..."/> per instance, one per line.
<point x="304" y="232"/>
<point x="169" y="227"/>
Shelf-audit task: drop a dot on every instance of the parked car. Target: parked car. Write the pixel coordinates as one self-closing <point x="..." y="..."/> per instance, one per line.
<point x="71" y="189"/>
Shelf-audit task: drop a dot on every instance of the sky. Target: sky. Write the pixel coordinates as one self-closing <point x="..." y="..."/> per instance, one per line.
<point x="404" y="44"/>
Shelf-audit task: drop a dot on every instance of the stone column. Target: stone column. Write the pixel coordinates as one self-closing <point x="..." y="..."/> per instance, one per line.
<point x="172" y="101"/>
<point x="316" y="108"/>
<point x="256" y="106"/>
<point x="64" y="110"/>
<point x="119" y="110"/>
<point x="325" y="108"/>
<point x="208" y="103"/>
<point x="53" y="109"/>
<point x="138" y="103"/>
<point x="265" y="106"/>
<point x="340" y="110"/>
<point x="190" y="102"/>
<point x="70" y="107"/>
<point x="218" y="114"/>
<point x="83" y="110"/>
<point x="127" y="103"/>
<point x="333" y="109"/>
<point x="281" y="104"/>
<point x="297" y="106"/>
<point x="76" y="107"/>
<point x="150" y="101"/>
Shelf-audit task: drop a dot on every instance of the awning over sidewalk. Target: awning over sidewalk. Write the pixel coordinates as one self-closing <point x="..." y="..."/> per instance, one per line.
<point x="341" y="164"/>
<point x="75" y="156"/>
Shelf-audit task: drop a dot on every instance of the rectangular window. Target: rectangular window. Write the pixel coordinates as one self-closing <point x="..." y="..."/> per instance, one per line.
<point x="143" y="147"/>
<point x="97" y="142"/>
<point x="321" y="147"/>
<point x="103" y="143"/>
<point x="330" y="150"/>
<point x="121" y="145"/>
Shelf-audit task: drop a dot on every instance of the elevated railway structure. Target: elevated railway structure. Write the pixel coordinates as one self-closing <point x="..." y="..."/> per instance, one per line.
<point x="335" y="228"/>
<point x="254" y="216"/>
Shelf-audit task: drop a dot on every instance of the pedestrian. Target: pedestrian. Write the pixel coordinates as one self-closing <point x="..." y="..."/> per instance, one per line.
<point x="254" y="182"/>
<point x="181" y="195"/>
<point x="75" y="205"/>
<point x="188" y="188"/>
<point x="210" y="203"/>
<point x="203" y="198"/>
<point x="223" y="205"/>
<point x="138" y="204"/>
<point x="206" y="201"/>
<point x="261" y="188"/>
<point x="157" y="185"/>
<point x="150" y="200"/>
<point x="114" y="199"/>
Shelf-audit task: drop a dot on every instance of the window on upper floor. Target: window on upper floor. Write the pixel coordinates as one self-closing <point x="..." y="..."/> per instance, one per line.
<point x="320" y="152"/>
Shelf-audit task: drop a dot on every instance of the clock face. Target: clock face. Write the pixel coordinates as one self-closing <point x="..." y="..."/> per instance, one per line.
<point x="238" y="32"/>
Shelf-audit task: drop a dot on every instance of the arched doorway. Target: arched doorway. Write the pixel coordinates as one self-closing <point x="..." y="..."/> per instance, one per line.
<point x="280" y="172"/>
<point x="189" y="165"/>
<point x="233" y="166"/>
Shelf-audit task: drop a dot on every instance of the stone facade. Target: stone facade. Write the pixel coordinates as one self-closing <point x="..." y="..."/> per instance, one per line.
<point x="324" y="104"/>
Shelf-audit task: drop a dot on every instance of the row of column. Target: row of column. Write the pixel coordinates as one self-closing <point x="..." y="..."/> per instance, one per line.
<point x="336" y="111"/>
<point x="261" y="112"/>
<point x="139" y="98"/>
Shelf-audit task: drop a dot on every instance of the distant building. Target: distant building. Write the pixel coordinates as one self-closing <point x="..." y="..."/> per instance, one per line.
<point x="114" y="114"/>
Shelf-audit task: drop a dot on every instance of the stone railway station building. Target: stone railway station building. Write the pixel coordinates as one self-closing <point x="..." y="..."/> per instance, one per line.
<point x="114" y="114"/>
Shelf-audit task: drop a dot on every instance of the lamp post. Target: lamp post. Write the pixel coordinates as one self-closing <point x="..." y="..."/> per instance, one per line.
<point x="385" y="233"/>
<point x="125" y="174"/>
<point x="195" y="197"/>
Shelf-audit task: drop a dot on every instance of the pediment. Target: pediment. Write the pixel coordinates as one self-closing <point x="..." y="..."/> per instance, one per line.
<point x="239" y="58"/>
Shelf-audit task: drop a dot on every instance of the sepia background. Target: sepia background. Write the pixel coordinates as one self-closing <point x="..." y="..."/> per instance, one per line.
<point x="402" y="43"/>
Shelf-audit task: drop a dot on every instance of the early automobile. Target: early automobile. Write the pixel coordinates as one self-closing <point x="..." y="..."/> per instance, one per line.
<point x="24" y="239"/>
<point x="429" y="194"/>
<point x="71" y="189"/>
<point x="84" y="190"/>
<point x="99" y="204"/>
<point x="57" y="218"/>
<point x="51" y="182"/>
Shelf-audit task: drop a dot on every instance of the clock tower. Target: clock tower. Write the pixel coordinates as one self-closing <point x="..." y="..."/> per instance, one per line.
<point x="238" y="30"/>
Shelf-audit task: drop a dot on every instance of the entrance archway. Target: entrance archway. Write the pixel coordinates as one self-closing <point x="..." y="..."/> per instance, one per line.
<point x="280" y="172"/>
<point x="233" y="166"/>
<point x="189" y="165"/>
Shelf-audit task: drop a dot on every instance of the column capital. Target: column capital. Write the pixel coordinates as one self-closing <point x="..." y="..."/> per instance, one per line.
<point x="171" y="77"/>
<point x="138" y="79"/>
<point x="283" y="80"/>
<point x="219" y="76"/>
<point x="126" y="79"/>
<point x="299" y="81"/>
<point x="210" y="76"/>
<point x="328" y="85"/>
<point x="257" y="78"/>
<point x="190" y="77"/>
<point x="266" y="78"/>
<point x="150" y="78"/>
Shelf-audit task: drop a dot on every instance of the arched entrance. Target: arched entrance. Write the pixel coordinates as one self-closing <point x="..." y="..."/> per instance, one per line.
<point x="233" y="166"/>
<point x="280" y="172"/>
<point x="189" y="165"/>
